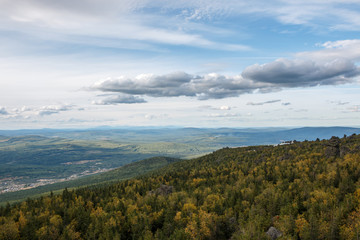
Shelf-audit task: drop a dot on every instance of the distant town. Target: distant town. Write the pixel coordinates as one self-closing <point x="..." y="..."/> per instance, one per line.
<point x="15" y="184"/>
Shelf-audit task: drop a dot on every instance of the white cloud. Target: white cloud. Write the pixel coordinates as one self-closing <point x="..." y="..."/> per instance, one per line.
<point x="342" y="44"/>
<point x="332" y="14"/>
<point x="118" y="99"/>
<point x="21" y="110"/>
<point x="303" y="72"/>
<point x="339" y="103"/>
<point x="263" y="103"/>
<point x="3" y="111"/>
<point x="53" y="109"/>
<point x="144" y="24"/>
<point x="156" y="116"/>
<point x="26" y="112"/>
<point x="343" y="49"/>
<point x="225" y="108"/>
<point x="210" y="86"/>
<point x="222" y="108"/>
<point x="223" y="115"/>
<point x="355" y="108"/>
<point x="88" y="21"/>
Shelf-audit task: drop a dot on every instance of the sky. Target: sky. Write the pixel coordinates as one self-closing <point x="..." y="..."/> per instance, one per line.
<point x="234" y="63"/>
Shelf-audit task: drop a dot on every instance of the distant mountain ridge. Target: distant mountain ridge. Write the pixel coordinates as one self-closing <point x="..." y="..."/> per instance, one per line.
<point x="184" y="135"/>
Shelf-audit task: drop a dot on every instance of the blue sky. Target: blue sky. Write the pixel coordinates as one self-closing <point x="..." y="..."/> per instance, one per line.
<point x="181" y="63"/>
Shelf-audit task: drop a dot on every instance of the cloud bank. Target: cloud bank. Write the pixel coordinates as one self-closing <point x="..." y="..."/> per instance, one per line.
<point x="210" y="86"/>
<point x="330" y="66"/>
<point x="303" y="73"/>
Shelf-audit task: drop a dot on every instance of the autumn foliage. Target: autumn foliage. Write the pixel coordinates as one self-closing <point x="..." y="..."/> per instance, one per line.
<point x="306" y="190"/>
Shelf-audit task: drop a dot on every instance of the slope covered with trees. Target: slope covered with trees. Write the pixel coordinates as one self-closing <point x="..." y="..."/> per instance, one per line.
<point x="122" y="173"/>
<point x="302" y="190"/>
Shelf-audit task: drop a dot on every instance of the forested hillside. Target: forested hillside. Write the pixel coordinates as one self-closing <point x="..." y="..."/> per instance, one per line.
<point x="122" y="173"/>
<point x="302" y="190"/>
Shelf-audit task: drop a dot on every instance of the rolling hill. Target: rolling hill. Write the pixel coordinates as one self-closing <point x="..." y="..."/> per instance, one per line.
<point x="34" y="158"/>
<point x="300" y="190"/>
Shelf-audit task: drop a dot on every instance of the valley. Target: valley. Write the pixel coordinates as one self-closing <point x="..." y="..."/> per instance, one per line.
<point x="39" y="161"/>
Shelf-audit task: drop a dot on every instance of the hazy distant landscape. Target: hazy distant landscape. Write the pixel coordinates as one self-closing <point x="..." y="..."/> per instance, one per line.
<point x="33" y="158"/>
<point x="296" y="189"/>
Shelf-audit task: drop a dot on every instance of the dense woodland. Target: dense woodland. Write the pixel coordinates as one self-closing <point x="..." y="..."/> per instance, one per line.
<point x="305" y="190"/>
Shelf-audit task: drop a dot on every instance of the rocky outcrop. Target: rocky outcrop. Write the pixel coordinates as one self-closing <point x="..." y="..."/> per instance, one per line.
<point x="344" y="150"/>
<point x="163" y="190"/>
<point x="273" y="233"/>
<point x="332" y="147"/>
